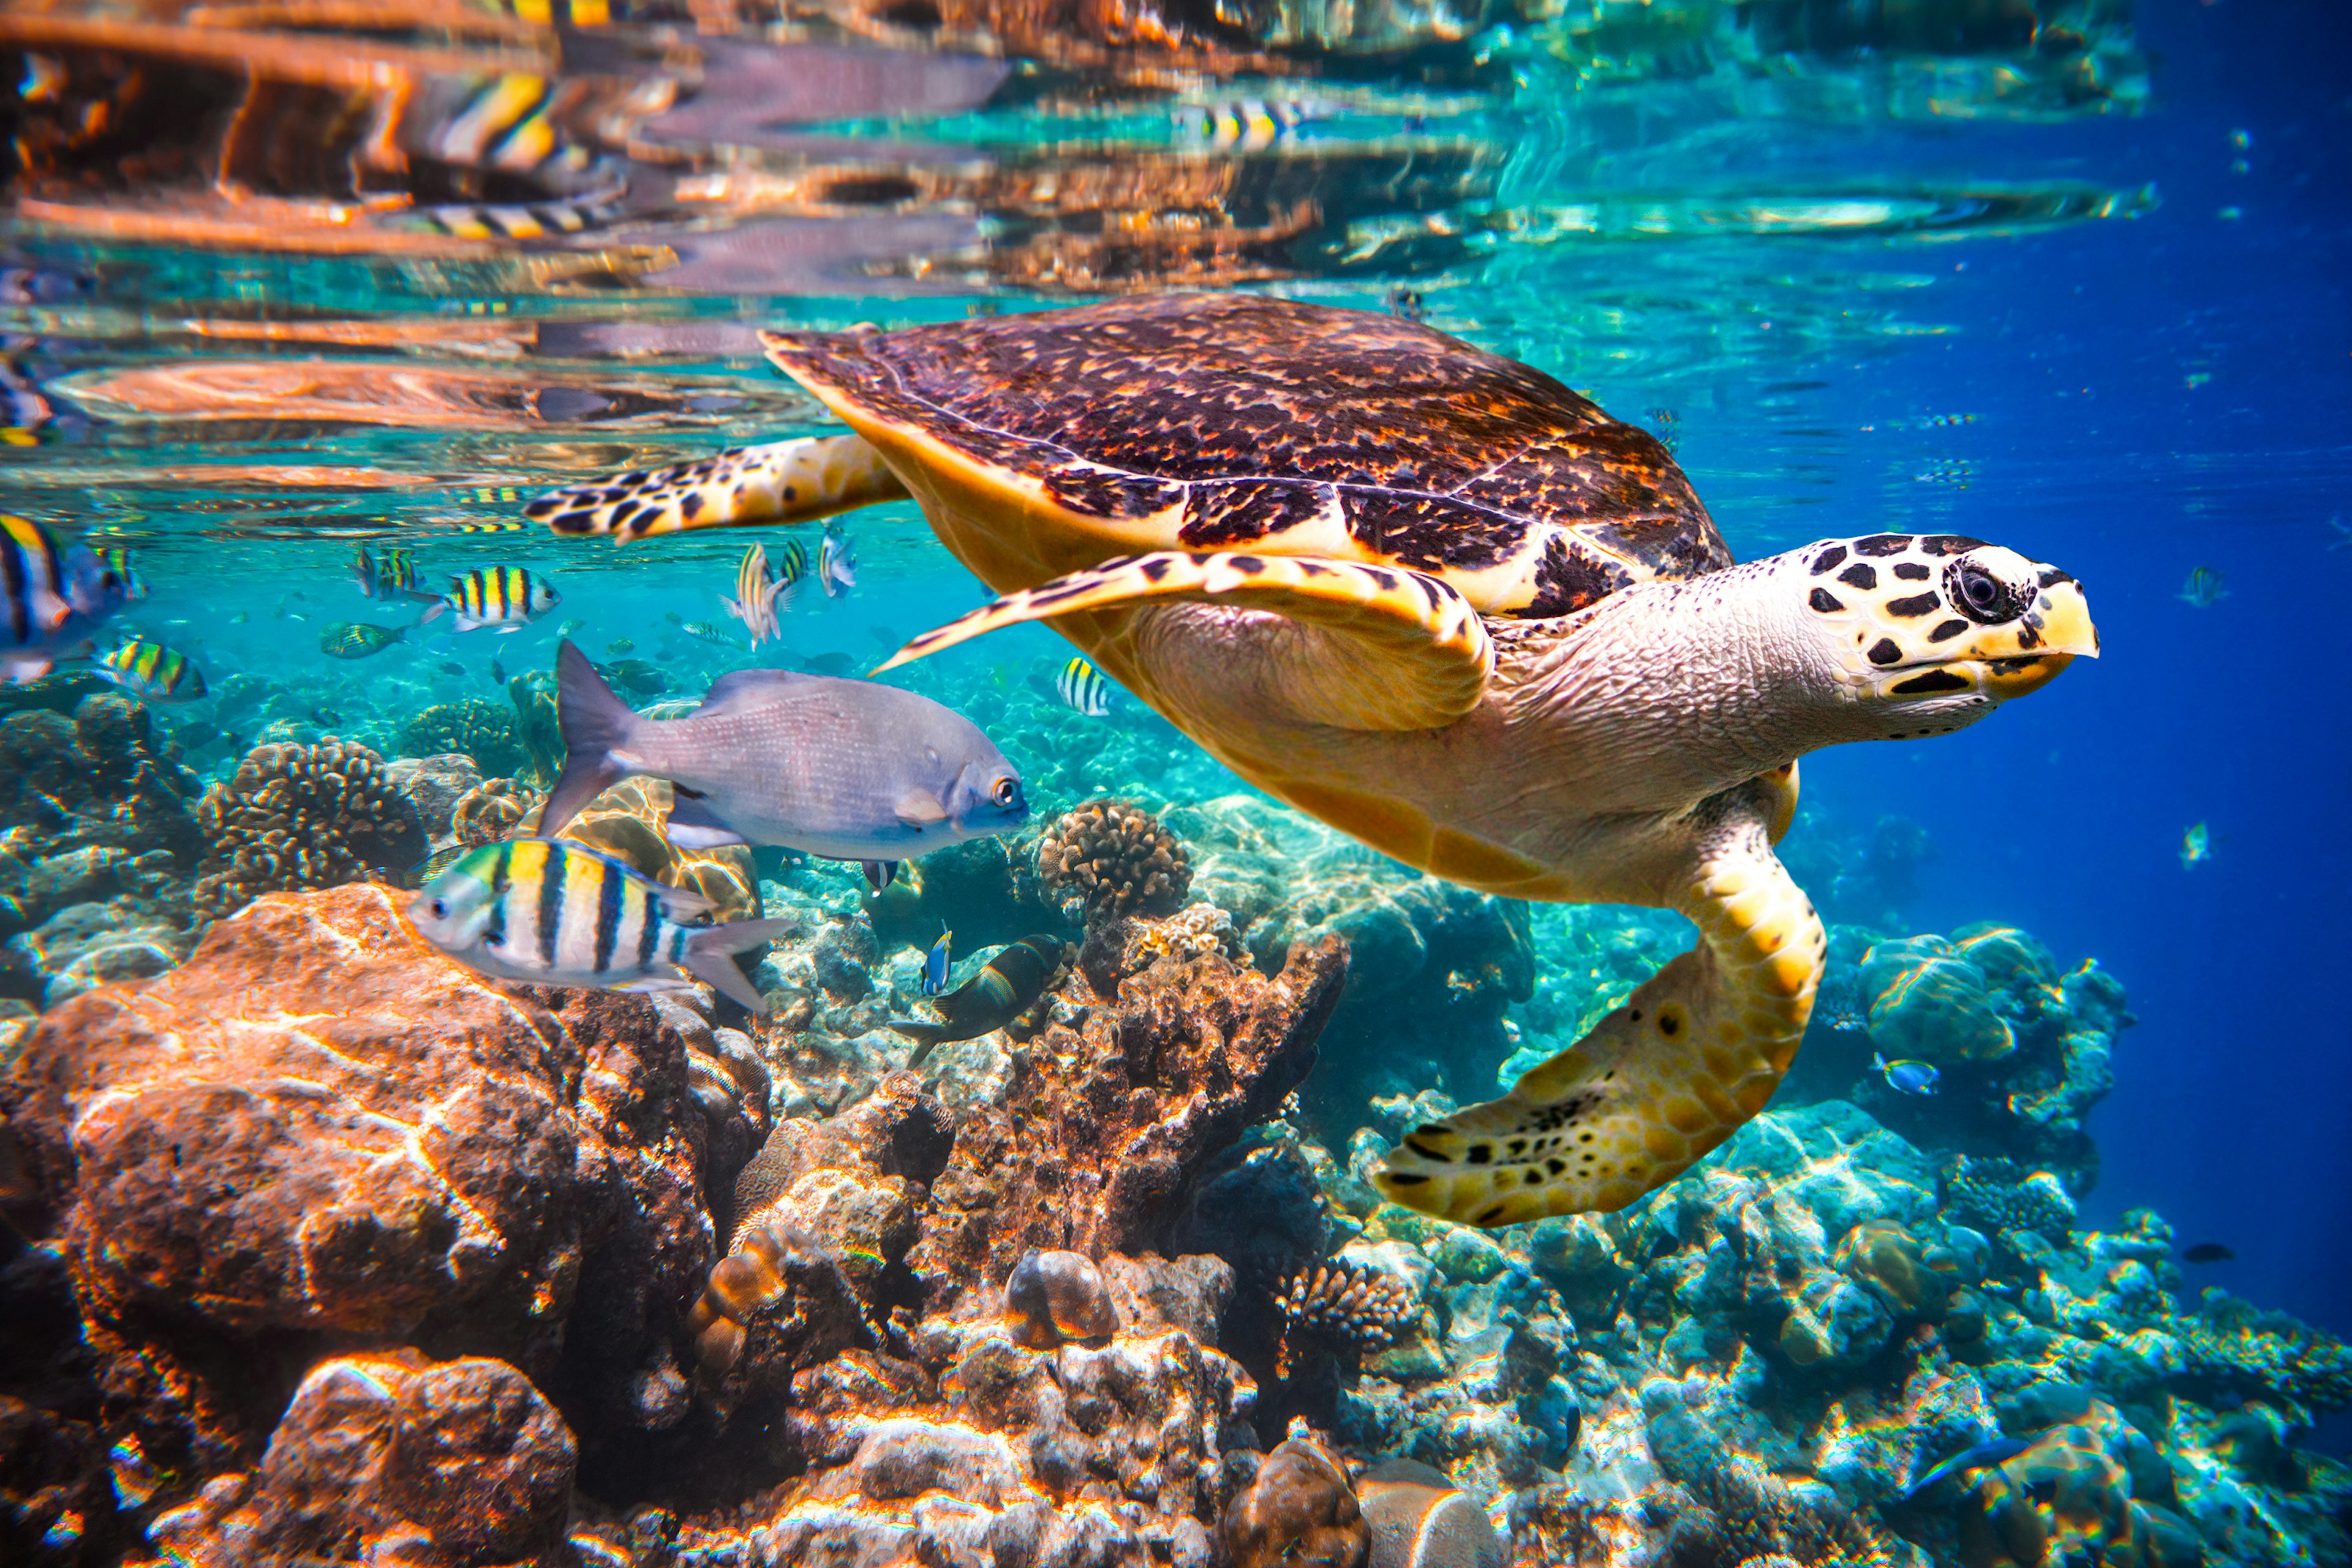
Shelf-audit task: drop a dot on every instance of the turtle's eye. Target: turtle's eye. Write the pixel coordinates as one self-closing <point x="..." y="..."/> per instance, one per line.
<point x="1982" y="595"/>
<point x="1007" y="793"/>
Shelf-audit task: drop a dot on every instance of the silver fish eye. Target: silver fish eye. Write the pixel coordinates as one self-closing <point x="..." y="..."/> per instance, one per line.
<point x="1007" y="793"/>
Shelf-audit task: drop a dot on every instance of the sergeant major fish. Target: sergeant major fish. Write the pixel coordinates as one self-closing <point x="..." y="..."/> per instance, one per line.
<point x="1007" y="987"/>
<point x="758" y="596"/>
<point x="152" y="673"/>
<point x="1081" y="686"/>
<point x="554" y="913"/>
<point x="393" y="577"/>
<point x="507" y="597"/>
<point x="837" y="568"/>
<point x="2203" y="588"/>
<point x="847" y="770"/>
<point x="51" y="599"/>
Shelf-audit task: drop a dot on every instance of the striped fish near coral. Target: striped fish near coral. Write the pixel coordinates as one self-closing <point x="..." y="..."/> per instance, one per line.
<point x="555" y="913"/>
<point x="152" y="673"/>
<point x="1082" y="687"/>
<point x="505" y="597"/>
<point x="52" y="598"/>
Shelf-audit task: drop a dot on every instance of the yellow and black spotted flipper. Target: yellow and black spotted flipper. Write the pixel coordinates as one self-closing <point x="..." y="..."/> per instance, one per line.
<point x="1692" y="1055"/>
<point x="1394" y="650"/>
<point x="797" y="480"/>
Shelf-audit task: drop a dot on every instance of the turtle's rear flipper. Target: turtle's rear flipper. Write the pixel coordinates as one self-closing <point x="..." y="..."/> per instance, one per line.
<point x="1383" y="650"/>
<point x="797" y="480"/>
<point x="1690" y="1057"/>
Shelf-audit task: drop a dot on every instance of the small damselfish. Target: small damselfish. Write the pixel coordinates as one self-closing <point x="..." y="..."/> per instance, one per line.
<point x="556" y="913"/>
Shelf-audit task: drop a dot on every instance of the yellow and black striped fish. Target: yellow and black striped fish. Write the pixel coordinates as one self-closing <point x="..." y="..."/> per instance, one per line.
<point x="491" y="527"/>
<point x="391" y="576"/>
<point x="152" y="673"/>
<point x="1082" y="685"/>
<point x="51" y="598"/>
<point x="115" y="558"/>
<point x="1247" y="125"/>
<point x="557" y="913"/>
<point x="507" y="597"/>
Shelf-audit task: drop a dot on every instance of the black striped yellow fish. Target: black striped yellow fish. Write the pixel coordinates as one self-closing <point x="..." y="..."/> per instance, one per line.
<point x="758" y="597"/>
<point x="557" y="913"/>
<point x="115" y="558"/>
<point x="507" y="597"/>
<point x="1248" y="124"/>
<point x="1082" y="685"/>
<point x="152" y="673"/>
<point x="491" y="527"/>
<point x="391" y="576"/>
<point x="357" y="640"/>
<point x="51" y="598"/>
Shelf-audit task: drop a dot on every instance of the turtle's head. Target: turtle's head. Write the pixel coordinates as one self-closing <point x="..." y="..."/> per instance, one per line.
<point x="1931" y="632"/>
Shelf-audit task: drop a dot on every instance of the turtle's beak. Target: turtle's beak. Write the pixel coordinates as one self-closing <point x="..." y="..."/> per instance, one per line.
<point x="2026" y="654"/>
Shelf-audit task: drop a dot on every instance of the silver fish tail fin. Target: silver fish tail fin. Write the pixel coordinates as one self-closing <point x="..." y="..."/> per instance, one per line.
<point x="596" y="724"/>
<point x="710" y="955"/>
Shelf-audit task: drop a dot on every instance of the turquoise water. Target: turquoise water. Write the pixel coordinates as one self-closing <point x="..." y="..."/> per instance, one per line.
<point x="2084" y="298"/>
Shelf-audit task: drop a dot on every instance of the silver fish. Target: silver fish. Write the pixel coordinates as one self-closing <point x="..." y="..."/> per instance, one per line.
<point x="848" y="770"/>
<point x="836" y="565"/>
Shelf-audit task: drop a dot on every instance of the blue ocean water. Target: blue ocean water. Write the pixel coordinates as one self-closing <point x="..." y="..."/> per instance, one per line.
<point x="1858" y="289"/>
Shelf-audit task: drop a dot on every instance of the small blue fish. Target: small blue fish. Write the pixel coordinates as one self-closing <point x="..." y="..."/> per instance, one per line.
<point x="935" y="964"/>
<point x="2195" y="847"/>
<point x="1907" y="1078"/>
<point x="2203" y="588"/>
<point x="1983" y="1457"/>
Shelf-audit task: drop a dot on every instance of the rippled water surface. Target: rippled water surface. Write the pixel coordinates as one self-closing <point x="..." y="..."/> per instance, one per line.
<point x="285" y="280"/>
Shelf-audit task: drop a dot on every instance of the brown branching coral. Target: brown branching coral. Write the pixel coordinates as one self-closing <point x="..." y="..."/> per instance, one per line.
<point x="303" y="817"/>
<point x="483" y="730"/>
<point x="492" y="810"/>
<point x="1109" y="858"/>
<point x="1329" y="1304"/>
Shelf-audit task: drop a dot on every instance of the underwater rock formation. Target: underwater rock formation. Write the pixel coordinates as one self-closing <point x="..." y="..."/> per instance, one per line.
<point x="393" y="1457"/>
<point x="303" y="817"/>
<point x="436" y="785"/>
<point x="320" y="1132"/>
<point x="1300" y="1510"/>
<point x="492" y="810"/>
<point x="1060" y="1296"/>
<point x="1107" y="1123"/>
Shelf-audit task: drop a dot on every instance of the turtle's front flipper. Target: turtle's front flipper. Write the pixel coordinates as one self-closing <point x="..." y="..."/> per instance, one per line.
<point x="1690" y="1057"/>
<point x="797" y="480"/>
<point x="1393" y="649"/>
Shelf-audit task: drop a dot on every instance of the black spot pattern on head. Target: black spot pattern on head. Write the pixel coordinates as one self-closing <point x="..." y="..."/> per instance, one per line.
<point x="1883" y="545"/>
<point x="1948" y="545"/>
<point x="2051" y="577"/>
<point x="1825" y="602"/>
<point x="1862" y="575"/>
<point x="1928" y="681"/>
<point x="1883" y="652"/>
<point x="1915" y="605"/>
<point x="1913" y="571"/>
<point x="1945" y="631"/>
<point x="1827" y="561"/>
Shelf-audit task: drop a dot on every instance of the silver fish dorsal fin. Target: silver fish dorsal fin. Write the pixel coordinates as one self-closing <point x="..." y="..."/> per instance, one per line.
<point x="734" y="690"/>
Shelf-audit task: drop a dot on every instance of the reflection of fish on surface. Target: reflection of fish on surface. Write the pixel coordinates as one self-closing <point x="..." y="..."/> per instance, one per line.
<point x="556" y="913"/>
<point x="1007" y="987"/>
<point x="51" y="598"/>
<point x="1247" y="125"/>
<point x="2196" y="847"/>
<point x="847" y="770"/>
<point x="2203" y="588"/>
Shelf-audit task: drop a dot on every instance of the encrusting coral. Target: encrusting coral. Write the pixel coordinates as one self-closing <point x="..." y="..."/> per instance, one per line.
<point x="483" y="730"/>
<point x="2000" y="1195"/>
<point x="1109" y="858"/>
<point x="301" y="817"/>
<point x="492" y="810"/>
<point x="1299" y="1512"/>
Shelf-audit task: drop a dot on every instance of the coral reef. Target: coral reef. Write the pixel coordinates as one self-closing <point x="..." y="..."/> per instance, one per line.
<point x="483" y="730"/>
<point x="492" y="810"/>
<point x="1060" y="1296"/>
<point x="1300" y="1510"/>
<point x="1334" y="1305"/>
<point x="1109" y="858"/>
<point x="436" y="785"/>
<point x="297" y="817"/>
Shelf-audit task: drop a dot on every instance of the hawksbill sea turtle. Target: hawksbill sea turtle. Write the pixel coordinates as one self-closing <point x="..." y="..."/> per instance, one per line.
<point x="1442" y="603"/>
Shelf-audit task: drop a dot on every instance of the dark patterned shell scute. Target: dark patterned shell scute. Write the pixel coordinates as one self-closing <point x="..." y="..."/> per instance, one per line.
<point x="1253" y="415"/>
